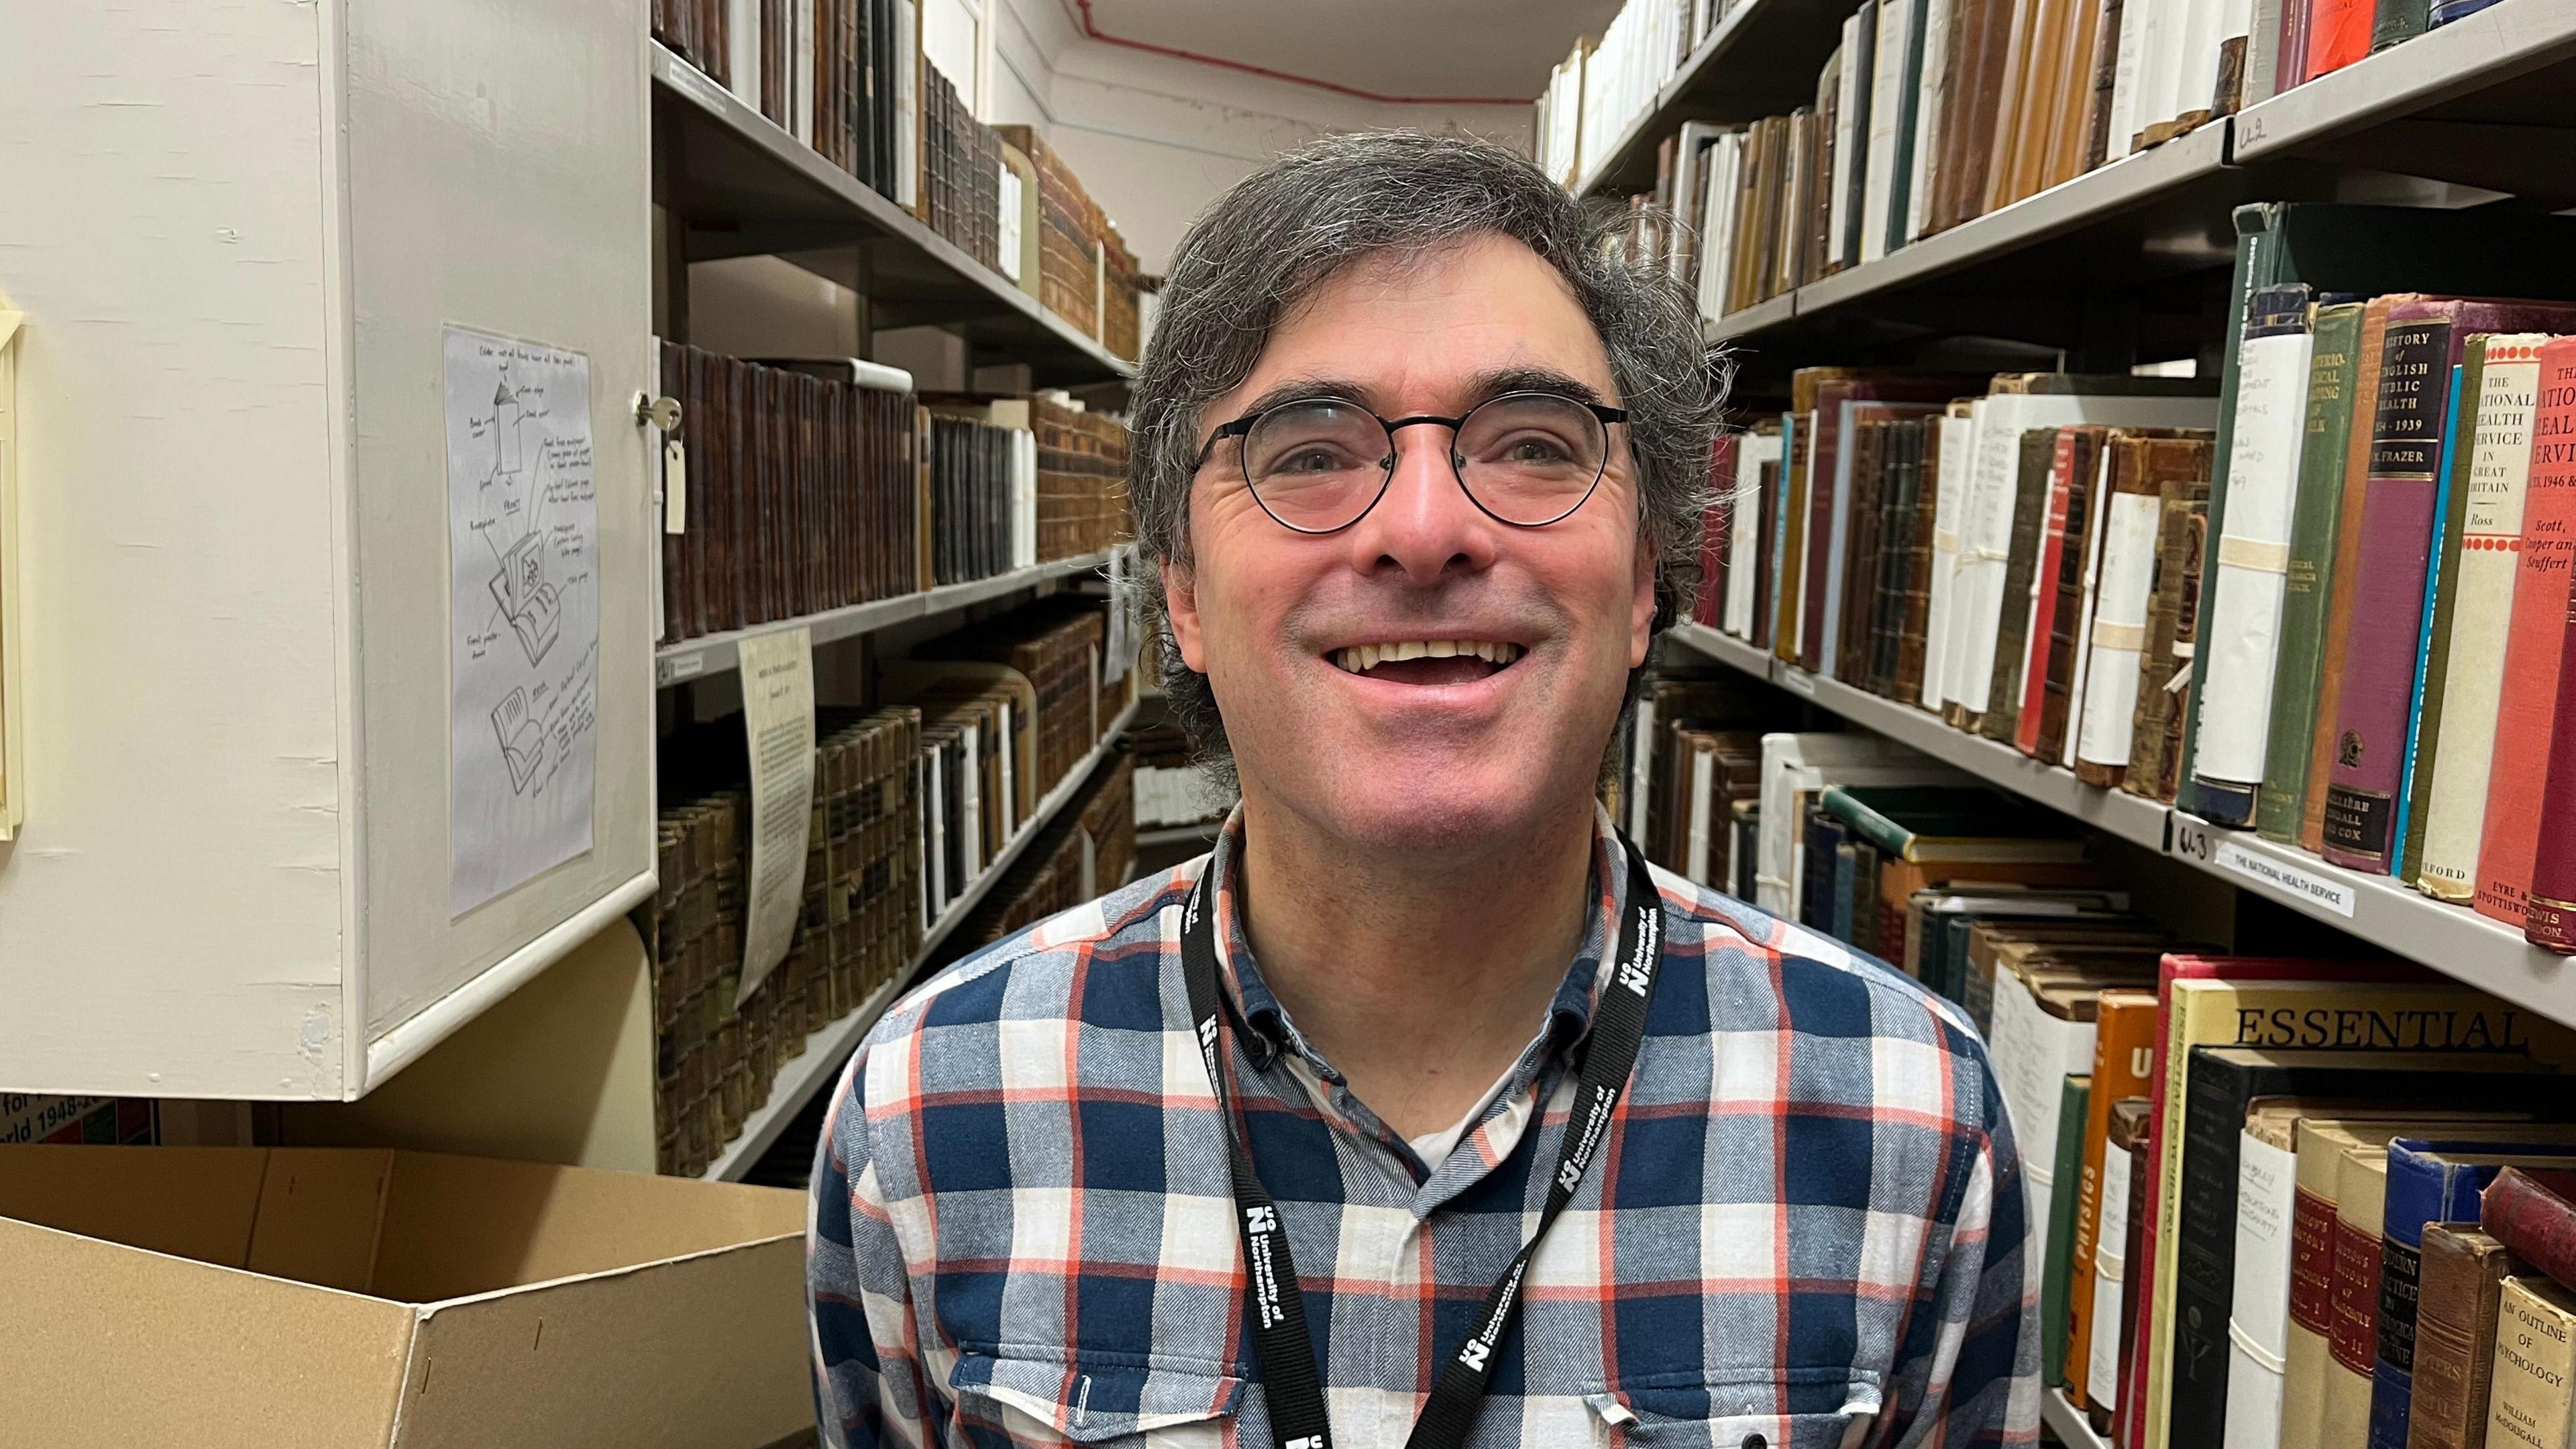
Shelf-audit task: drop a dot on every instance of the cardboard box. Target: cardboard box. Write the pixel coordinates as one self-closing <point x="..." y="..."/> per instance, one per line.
<point x="293" y="1298"/>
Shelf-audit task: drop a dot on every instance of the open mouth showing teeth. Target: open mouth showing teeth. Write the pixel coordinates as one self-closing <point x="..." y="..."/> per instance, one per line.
<point x="1428" y="661"/>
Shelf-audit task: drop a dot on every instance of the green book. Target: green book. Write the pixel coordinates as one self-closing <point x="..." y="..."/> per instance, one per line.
<point x="2069" y="1166"/>
<point x="2446" y="578"/>
<point x="1949" y="824"/>
<point x="2308" y="592"/>
<point x="2364" y="251"/>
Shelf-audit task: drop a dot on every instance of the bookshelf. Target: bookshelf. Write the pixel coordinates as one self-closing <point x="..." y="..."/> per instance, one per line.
<point x="1761" y="58"/>
<point x="2451" y="939"/>
<point x="806" y="1073"/>
<point x="738" y="184"/>
<point x="2132" y="818"/>
<point x="718" y="653"/>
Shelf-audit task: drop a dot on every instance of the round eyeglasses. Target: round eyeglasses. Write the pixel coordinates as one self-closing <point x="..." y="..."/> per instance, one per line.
<point x="1318" y="465"/>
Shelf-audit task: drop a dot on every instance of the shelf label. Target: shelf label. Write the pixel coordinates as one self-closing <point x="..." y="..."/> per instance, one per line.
<point x="1796" y="681"/>
<point x="676" y="667"/>
<point x="2221" y="850"/>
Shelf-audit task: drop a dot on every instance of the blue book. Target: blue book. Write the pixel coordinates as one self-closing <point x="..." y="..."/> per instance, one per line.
<point x="2430" y="1182"/>
<point x="2402" y="869"/>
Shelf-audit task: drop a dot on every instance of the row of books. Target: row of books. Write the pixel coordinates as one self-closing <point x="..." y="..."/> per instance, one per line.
<point x="1597" y="92"/>
<point x="2390" y="600"/>
<point x="1931" y="113"/>
<point x="850" y="79"/>
<point x="803" y="486"/>
<point x="2375" y="637"/>
<point x="1087" y="852"/>
<point x="912" y="802"/>
<point x="718" y="1053"/>
<point x="2024" y="562"/>
<point x="2275" y="1200"/>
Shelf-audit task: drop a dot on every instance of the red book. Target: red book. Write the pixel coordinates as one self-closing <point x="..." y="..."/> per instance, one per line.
<point x="1717" y="528"/>
<point x="2527" y="705"/>
<point x="2338" y="33"/>
<point x="2043" y="605"/>
<point x="2141" y="1284"/>
<point x="2533" y="1212"/>
<point x="2549" y="920"/>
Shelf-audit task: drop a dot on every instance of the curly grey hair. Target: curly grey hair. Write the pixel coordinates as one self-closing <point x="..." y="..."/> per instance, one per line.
<point x="1281" y="233"/>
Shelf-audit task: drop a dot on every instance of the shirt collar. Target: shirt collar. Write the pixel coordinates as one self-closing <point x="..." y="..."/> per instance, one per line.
<point x="1569" y="1014"/>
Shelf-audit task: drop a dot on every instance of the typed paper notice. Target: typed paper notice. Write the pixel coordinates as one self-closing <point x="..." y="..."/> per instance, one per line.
<point x="778" y="720"/>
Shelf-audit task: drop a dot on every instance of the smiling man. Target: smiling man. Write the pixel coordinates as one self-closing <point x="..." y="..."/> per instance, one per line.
<point x="1421" y="1111"/>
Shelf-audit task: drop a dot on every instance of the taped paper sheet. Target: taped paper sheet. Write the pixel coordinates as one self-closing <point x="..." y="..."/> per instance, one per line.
<point x="523" y="604"/>
<point x="778" y="718"/>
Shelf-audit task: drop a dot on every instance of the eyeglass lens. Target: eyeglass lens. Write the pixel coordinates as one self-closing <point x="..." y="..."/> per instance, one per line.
<point x="1525" y="458"/>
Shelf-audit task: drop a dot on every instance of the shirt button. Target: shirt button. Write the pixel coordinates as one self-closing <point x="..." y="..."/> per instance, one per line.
<point x="1756" y="1441"/>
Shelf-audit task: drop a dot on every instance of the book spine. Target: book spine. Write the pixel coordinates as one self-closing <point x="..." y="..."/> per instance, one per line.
<point x="2455" y="1323"/>
<point x="2308" y="1354"/>
<point x="2258" y="264"/>
<point x="2258" y="1315"/>
<point x="2536" y="1223"/>
<point x="2398" y="504"/>
<point x="2123" y="1067"/>
<point x="2253" y="557"/>
<point x="1824" y="493"/>
<point x="2066" y="619"/>
<point x="2432" y="651"/>
<point x="2327" y="432"/>
<point x="2155" y="729"/>
<point x="2040" y="633"/>
<point x="1949" y="511"/>
<point x="2013" y="594"/>
<point x="2118" y="1242"/>
<point x="2204" y="1282"/>
<point x="2549" y="919"/>
<point x="2418" y="1185"/>
<point x="2535" y="1360"/>
<point x="2354" y="1339"/>
<point x="2131" y="526"/>
<point x="2395" y="21"/>
<point x="2341" y="587"/>
<point x="2527" y="698"/>
<point x="2073" y="1101"/>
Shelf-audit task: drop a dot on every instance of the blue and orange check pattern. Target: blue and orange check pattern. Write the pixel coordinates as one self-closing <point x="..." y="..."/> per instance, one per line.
<point x="1806" y="1228"/>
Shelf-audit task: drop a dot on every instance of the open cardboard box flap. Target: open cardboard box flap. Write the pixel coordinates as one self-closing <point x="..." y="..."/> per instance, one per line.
<point x="324" y="1296"/>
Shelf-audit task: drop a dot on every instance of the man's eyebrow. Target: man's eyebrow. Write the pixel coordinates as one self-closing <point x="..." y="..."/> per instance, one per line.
<point x="1479" y="388"/>
<point x="1494" y="384"/>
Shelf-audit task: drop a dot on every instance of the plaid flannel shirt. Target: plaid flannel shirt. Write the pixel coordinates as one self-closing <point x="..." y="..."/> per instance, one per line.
<point x="1805" y="1228"/>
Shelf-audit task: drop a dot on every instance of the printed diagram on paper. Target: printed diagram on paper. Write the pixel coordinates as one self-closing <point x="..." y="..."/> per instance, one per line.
<point x="523" y="649"/>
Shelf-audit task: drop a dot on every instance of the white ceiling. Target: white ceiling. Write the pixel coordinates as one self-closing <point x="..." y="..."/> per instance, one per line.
<point x="1396" y="48"/>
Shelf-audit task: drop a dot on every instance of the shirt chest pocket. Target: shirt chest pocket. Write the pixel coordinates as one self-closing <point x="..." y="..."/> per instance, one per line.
<point x="1039" y="1401"/>
<point x="1804" y="1415"/>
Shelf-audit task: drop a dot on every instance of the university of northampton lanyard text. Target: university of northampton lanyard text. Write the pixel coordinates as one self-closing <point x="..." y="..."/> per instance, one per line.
<point x="1272" y="1298"/>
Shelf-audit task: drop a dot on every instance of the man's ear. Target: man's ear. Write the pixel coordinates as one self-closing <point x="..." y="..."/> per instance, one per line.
<point x="1181" y="607"/>
<point x="1641" y="606"/>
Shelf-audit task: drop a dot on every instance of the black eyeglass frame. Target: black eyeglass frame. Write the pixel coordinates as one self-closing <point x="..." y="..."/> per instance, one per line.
<point x="1242" y="428"/>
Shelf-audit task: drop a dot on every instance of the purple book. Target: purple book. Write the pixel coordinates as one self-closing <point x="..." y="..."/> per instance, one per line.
<point x="2426" y="337"/>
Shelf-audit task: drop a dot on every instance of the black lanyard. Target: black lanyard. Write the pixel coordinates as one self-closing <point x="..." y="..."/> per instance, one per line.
<point x="1278" y="1308"/>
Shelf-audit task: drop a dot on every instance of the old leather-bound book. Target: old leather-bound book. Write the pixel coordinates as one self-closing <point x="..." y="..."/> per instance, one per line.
<point x="2155" y="731"/>
<point x="2459" y="1283"/>
<point x="2012" y="620"/>
<point x="1914" y="627"/>
<point x="2147" y="475"/>
<point x="2532" y="1210"/>
<point x="2055" y="584"/>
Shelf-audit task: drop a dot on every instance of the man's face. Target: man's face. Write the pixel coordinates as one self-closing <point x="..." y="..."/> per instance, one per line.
<point x="1447" y="749"/>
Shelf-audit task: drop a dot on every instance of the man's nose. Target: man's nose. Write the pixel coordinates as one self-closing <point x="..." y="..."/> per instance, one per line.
<point x="1426" y="527"/>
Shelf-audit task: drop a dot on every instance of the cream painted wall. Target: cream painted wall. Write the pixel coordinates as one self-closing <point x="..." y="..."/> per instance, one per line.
<point x="1155" y="139"/>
